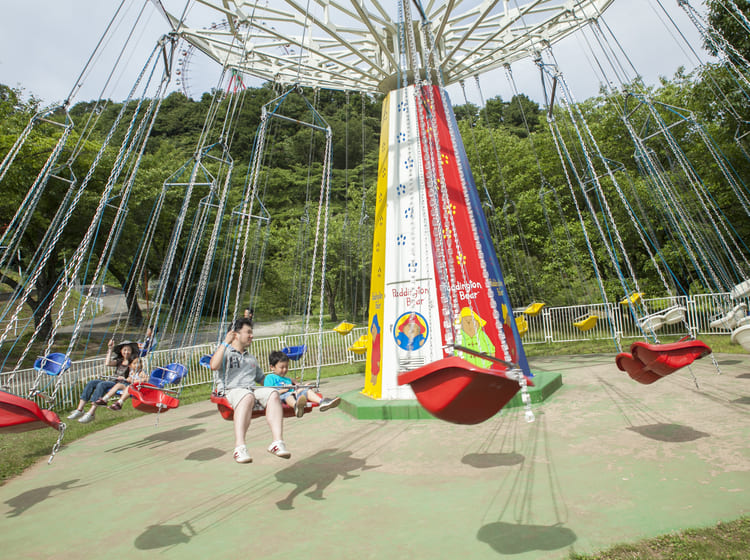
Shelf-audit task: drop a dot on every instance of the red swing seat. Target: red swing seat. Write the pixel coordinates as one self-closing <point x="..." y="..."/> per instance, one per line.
<point x="148" y="398"/>
<point x="647" y="363"/>
<point x="22" y="415"/>
<point x="227" y="412"/>
<point x="458" y="391"/>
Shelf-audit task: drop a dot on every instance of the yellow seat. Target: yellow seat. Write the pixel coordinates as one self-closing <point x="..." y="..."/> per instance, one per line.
<point x="361" y="344"/>
<point x="522" y="324"/>
<point x="587" y="323"/>
<point x="343" y="328"/>
<point x="534" y="309"/>
<point x="633" y="298"/>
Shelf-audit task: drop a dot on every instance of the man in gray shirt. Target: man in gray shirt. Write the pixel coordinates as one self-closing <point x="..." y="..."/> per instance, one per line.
<point x="240" y="378"/>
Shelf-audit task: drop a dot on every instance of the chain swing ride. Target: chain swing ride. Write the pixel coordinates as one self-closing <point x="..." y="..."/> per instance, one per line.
<point x="441" y="326"/>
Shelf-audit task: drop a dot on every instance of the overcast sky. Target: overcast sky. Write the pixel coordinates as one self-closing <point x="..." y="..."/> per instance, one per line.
<point x="45" y="44"/>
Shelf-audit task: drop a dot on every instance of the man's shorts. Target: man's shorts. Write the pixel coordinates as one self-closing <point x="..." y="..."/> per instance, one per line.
<point x="262" y="394"/>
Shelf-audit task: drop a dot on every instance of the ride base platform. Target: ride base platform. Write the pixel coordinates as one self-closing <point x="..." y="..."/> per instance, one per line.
<point x="363" y="407"/>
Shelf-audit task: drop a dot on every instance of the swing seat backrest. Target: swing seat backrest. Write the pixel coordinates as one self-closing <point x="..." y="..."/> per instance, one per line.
<point x="52" y="364"/>
<point x="294" y="352"/>
<point x="171" y="374"/>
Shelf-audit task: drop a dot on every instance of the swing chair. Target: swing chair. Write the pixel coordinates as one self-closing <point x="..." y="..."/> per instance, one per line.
<point x="294" y="352"/>
<point x="155" y="396"/>
<point x="586" y="322"/>
<point x="741" y="335"/>
<point x="647" y="363"/>
<point x="633" y="299"/>
<point x="731" y="319"/>
<point x="226" y="410"/>
<point x="457" y="391"/>
<point x="534" y="308"/>
<point x="18" y="414"/>
<point x="740" y="291"/>
<point x="343" y="328"/>
<point x="22" y="415"/>
<point x="522" y="324"/>
<point x="360" y="345"/>
<point x="52" y="364"/>
<point x="675" y="314"/>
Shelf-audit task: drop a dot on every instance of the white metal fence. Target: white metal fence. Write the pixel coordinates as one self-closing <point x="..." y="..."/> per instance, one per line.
<point x="551" y="325"/>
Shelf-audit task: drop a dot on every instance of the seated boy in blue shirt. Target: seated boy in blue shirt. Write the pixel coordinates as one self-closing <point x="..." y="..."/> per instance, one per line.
<point x="295" y="397"/>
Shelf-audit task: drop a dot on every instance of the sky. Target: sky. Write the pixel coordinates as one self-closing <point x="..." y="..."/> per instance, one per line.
<point x="44" y="46"/>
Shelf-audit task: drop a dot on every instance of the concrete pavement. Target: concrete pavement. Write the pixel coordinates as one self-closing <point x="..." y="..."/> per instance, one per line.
<point x="608" y="460"/>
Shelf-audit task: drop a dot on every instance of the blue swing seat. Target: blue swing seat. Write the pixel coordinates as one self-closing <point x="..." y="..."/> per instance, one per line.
<point x="52" y="364"/>
<point x="294" y="352"/>
<point x="171" y="374"/>
<point x="205" y="361"/>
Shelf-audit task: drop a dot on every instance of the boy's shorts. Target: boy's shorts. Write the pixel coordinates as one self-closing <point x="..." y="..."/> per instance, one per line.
<point x="262" y="394"/>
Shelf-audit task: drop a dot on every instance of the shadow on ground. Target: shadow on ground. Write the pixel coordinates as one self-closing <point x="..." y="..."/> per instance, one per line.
<point x="487" y="460"/>
<point x="30" y="498"/>
<point x="674" y="433"/>
<point x="207" y="454"/>
<point x="317" y="473"/>
<point x="163" y="535"/>
<point x="507" y="538"/>
<point x="162" y="438"/>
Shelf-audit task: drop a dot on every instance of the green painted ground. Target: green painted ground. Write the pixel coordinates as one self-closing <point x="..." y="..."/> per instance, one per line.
<point x="606" y="461"/>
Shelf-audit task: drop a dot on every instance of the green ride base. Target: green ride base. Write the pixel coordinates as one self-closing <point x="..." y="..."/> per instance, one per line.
<point x="363" y="407"/>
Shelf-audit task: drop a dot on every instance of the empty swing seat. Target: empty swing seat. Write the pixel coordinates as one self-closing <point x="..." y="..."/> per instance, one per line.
<point x="22" y="415"/>
<point x="674" y="314"/>
<point x="633" y="298"/>
<point x="522" y="324"/>
<point x="457" y="391"/>
<point x="294" y="352"/>
<point x="652" y="322"/>
<point x="647" y="363"/>
<point x="741" y="336"/>
<point x="360" y="345"/>
<point x="730" y="320"/>
<point x="586" y="323"/>
<point x="205" y="361"/>
<point x="533" y="309"/>
<point x="344" y="328"/>
<point x="52" y="364"/>
<point x="741" y="290"/>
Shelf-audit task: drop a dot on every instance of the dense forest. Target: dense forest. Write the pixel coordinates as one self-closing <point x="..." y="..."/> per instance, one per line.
<point x="532" y="193"/>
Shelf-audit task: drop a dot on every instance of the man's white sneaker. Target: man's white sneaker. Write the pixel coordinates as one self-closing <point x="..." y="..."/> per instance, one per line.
<point x="241" y="455"/>
<point x="279" y="449"/>
<point x="86" y="418"/>
<point x="75" y="414"/>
